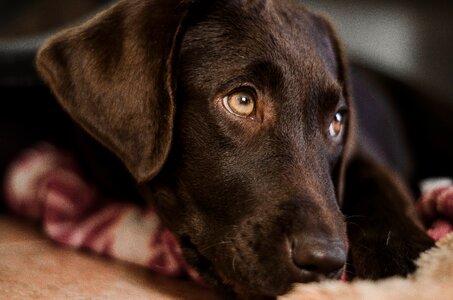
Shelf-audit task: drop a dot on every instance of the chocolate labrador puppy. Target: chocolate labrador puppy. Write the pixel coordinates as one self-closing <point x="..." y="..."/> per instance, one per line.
<point x="235" y="119"/>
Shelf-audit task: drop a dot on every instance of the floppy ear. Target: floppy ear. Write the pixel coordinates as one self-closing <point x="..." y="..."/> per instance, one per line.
<point x="113" y="75"/>
<point x="333" y="50"/>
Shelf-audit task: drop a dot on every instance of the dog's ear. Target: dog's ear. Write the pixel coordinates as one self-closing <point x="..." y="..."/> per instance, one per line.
<point x="333" y="50"/>
<point x="113" y="75"/>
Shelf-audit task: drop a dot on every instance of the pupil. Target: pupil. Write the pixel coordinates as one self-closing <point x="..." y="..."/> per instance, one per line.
<point x="244" y="100"/>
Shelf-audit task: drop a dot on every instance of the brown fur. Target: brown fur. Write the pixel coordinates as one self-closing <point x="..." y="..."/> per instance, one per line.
<point x="145" y="79"/>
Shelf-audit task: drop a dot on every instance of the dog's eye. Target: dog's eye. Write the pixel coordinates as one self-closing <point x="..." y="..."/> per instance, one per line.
<point x="241" y="104"/>
<point x="336" y="126"/>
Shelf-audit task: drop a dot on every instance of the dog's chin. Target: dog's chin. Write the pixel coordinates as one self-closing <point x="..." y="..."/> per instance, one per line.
<point x="228" y="286"/>
<point x="267" y="287"/>
<point x="272" y="286"/>
<point x="255" y="291"/>
<point x="275" y="277"/>
<point x="267" y="283"/>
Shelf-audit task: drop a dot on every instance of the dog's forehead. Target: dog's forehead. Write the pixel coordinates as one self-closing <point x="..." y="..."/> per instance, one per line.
<point x="230" y="36"/>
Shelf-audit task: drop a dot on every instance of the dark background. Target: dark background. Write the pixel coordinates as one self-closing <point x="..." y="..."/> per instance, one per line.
<point x="409" y="40"/>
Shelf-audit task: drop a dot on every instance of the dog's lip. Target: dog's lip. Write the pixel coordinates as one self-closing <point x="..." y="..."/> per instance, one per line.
<point x="246" y="288"/>
<point x="304" y="276"/>
<point x="295" y="275"/>
<point x="257" y="291"/>
<point x="267" y="291"/>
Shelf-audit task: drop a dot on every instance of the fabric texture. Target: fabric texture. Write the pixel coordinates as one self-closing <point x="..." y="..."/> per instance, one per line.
<point x="45" y="184"/>
<point x="435" y="207"/>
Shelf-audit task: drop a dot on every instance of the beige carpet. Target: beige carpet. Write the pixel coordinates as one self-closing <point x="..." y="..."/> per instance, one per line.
<point x="34" y="268"/>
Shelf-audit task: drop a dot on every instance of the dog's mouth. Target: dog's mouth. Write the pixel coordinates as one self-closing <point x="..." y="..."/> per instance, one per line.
<point x="251" y="275"/>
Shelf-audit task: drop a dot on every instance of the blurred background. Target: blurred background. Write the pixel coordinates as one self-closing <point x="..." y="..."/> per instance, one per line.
<point x="409" y="40"/>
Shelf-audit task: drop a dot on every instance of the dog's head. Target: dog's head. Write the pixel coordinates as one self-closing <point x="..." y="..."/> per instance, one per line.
<point x="234" y="117"/>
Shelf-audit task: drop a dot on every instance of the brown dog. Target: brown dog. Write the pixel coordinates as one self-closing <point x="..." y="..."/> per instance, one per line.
<point x="235" y="117"/>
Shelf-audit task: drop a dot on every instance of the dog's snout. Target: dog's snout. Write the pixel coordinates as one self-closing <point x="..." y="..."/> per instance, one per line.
<point x="322" y="256"/>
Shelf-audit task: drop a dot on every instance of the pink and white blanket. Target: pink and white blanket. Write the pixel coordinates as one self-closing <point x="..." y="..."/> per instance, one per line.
<point x="45" y="184"/>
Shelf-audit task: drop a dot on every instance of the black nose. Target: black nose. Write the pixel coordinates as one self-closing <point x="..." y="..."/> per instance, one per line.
<point x="322" y="256"/>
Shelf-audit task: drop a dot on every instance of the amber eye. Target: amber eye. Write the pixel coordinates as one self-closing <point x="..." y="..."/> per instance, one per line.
<point x="336" y="126"/>
<point x="241" y="104"/>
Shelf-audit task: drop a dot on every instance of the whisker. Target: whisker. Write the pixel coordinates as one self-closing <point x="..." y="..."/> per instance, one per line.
<point x="215" y="245"/>
<point x="355" y="216"/>
<point x="389" y="235"/>
<point x="234" y="263"/>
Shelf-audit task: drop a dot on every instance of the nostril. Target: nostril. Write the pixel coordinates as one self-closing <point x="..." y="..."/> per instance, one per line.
<point x="319" y="256"/>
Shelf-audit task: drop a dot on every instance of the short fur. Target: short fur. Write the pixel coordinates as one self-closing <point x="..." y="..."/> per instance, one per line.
<point x="145" y="78"/>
